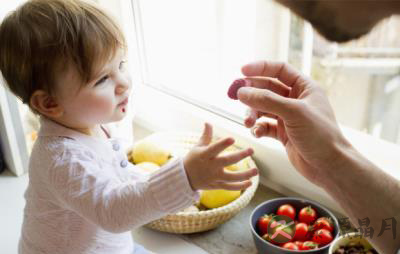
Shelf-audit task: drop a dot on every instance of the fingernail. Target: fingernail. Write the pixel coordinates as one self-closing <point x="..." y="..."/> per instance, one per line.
<point x="254" y="132"/>
<point x="244" y="92"/>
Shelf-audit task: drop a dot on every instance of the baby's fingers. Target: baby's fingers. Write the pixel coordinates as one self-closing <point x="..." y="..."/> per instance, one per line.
<point x="235" y="186"/>
<point x="206" y="137"/>
<point x="214" y="149"/>
<point x="228" y="176"/>
<point x="234" y="157"/>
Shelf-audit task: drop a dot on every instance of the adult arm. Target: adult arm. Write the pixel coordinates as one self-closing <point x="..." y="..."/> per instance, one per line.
<point x="306" y="126"/>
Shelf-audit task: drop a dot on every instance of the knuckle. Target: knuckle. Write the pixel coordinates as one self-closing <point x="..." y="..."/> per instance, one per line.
<point x="300" y="107"/>
<point x="224" y="161"/>
<point x="200" y="152"/>
<point x="265" y="95"/>
<point x="284" y="66"/>
<point x="220" y="174"/>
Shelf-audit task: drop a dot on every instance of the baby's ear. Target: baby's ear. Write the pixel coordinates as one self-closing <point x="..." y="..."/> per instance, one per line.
<point x="46" y="104"/>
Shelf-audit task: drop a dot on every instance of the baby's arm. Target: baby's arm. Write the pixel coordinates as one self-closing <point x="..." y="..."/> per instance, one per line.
<point x="112" y="204"/>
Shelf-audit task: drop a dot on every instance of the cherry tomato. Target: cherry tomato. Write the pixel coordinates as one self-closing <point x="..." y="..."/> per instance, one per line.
<point x="287" y="210"/>
<point x="283" y="233"/>
<point x="322" y="237"/>
<point x="299" y="244"/>
<point x="307" y="215"/>
<point x="262" y="223"/>
<point x="309" y="245"/>
<point x="267" y="238"/>
<point x="290" y="246"/>
<point x="323" y="223"/>
<point x="302" y="233"/>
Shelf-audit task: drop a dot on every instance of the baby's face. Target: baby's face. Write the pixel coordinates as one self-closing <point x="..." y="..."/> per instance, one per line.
<point x="100" y="100"/>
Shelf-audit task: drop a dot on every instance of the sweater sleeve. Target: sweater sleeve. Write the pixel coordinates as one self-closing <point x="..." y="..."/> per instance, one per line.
<point x="117" y="206"/>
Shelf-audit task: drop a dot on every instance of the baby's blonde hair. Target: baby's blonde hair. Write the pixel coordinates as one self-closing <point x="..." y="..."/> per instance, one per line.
<point x="42" y="37"/>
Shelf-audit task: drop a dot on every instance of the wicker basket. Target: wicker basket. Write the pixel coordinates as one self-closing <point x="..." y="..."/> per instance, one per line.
<point x="190" y="222"/>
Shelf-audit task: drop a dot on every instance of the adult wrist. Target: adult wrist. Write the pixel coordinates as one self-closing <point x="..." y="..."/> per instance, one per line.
<point x="344" y="158"/>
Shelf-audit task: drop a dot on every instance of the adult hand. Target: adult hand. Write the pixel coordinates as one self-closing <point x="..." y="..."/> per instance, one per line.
<point x="305" y="124"/>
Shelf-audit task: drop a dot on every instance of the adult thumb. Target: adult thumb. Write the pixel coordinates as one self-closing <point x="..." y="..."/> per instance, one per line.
<point x="266" y="101"/>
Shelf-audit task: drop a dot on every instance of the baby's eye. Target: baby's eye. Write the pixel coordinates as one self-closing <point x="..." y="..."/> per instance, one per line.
<point x="101" y="80"/>
<point x="122" y="64"/>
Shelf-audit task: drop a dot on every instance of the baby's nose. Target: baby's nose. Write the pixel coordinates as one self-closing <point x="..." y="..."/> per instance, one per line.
<point x="122" y="87"/>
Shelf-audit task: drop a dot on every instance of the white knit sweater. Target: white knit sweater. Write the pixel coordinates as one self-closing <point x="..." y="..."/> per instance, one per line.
<point x="85" y="197"/>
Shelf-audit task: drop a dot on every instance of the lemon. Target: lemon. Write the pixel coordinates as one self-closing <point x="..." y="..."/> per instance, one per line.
<point x="241" y="165"/>
<point x="148" y="151"/>
<point x="217" y="198"/>
<point x="148" y="166"/>
<point x="233" y="167"/>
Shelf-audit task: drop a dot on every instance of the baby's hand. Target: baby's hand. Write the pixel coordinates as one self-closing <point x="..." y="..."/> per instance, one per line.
<point x="205" y="169"/>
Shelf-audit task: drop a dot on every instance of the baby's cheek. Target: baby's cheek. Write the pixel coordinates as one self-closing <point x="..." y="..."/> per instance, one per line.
<point x="98" y="107"/>
<point x="104" y="106"/>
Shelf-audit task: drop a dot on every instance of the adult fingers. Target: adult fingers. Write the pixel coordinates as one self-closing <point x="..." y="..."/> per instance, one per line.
<point x="206" y="136"/>
<point x="252" y="115"/>
<point x="229" y="176"/>
<point x="268" y="83"/>
<point x="279" y="70"/>
<point x="265" y="129"/>
<point x="266" y="101"/>
<point x="234" y="157"/>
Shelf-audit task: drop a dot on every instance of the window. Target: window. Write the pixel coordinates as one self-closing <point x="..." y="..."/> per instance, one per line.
<point x="361" y="77"/>
<point x="194" y="50"/>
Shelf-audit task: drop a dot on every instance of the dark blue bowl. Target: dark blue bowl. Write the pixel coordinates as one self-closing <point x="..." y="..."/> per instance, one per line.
<point x="271" y="206"/>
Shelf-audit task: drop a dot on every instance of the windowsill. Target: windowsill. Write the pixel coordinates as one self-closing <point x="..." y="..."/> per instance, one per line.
<point x="372" y="65"/>
<point x="276" y="171"/>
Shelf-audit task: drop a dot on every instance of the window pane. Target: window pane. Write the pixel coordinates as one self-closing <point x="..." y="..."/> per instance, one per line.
<point x="361" y="77"/>
<point x="196" y="48"/>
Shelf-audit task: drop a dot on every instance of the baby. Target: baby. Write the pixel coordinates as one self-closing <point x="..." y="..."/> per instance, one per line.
<point x="66" y="59"/>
